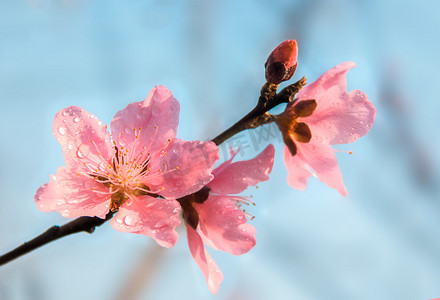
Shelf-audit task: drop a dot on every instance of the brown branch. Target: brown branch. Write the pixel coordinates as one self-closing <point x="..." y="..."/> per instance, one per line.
<point x="86" y="224"/>
<point x="259" y="115"/>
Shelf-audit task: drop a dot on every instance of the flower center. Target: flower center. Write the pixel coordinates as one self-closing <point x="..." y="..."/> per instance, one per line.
<point x="130" y="171"/>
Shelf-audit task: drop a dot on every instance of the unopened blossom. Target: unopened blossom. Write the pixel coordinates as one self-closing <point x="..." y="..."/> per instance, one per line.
<point x="214" y="216"/>
<point x="323" y="114"/>
<point x="282" y="61"/>
<point x="139" y="171"/>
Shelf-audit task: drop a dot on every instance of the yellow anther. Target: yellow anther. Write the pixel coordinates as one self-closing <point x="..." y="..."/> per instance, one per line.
<point x="177" y="168"/>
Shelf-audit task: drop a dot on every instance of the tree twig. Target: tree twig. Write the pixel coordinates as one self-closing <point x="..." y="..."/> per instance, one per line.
<point x="86" y="224"/>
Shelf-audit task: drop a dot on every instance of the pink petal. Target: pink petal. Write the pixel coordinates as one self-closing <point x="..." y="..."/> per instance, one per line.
<point x="234" y="178"/>
<point x="186" y="168"/>
<point x="156" y="218"/>
<point x="210" y="270"/>
<point x="333" y="77"/>
<point x="341" y="118"/>
<point x="83" y="137"/>
<point x="72" y="196"/>
<point x="322" y="159"/>
<point x="224" y="225"/>
<point x="297" y="169"/>
<point x="153" y="120"/>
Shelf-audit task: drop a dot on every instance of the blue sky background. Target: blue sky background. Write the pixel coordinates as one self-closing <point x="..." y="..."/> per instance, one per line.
<point x="382" y="241"/>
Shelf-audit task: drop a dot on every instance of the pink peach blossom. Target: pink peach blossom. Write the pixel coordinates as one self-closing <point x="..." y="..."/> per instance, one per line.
<point x="323" y="114"/>
<point x="139" y="171"/>
<point x="214" y="217"/>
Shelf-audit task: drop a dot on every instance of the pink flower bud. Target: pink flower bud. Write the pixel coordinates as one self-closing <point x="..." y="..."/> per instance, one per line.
<point x="282" y="62"/>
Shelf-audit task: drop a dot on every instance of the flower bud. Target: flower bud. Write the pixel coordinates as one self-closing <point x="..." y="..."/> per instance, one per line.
<point x="282" y="62"/>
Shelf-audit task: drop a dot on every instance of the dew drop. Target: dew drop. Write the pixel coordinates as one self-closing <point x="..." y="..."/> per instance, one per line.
<point x="62" y="130"/>
<point x="130" y="220"/>
<point x="79" y="154"/>
<point x="119" y="221"/>
<point x="160" y="224"/>
<point x="76" y="120"/>
<point x="65" y="113"/>
<point x="99" y="123"/>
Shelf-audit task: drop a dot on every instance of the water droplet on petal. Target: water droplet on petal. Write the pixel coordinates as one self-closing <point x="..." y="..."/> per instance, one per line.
<point x="62" y="130"/>
<point x="76" y="120"/>
<point x="79" y="154"/>
<point x="99" y="123"/>
<point x="119" y="221"/>
<point x="160" y="224"/>
<point x="130" y="220"/>
<point x="65" y="113"/>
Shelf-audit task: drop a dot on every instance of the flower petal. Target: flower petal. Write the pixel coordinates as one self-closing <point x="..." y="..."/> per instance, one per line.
<point x="322" y="159"/>
<point x="224" y="225"/>
<point x="154" y="121"/>
<point x="297" y="169"/>
<point x="333" y="77"/>
<point x="156" y="218"/>
<point x="342" y="118"/>
<point x="72" y="196"/>
<point x="233" y="178"/>
<point x="210" y="270"/>
<point x="83" y="137"/>
<point x="186" y="168"/>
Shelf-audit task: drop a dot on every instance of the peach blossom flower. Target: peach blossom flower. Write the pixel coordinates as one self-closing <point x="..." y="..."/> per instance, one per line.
<point x="323" y="114"/>
<point x="139" y="171"/>
<point x="214" y="216"/>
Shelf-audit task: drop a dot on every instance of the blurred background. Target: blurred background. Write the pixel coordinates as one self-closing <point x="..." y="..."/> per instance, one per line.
<point x="382" y="241"/>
